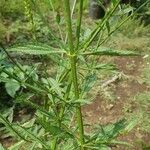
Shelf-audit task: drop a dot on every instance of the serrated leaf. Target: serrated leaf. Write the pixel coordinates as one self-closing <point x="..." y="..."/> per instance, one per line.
<point x="111" y="52"/>
<point x="110" y="131"/>
<point x="55" y="130"/>
<point x="30" y="135"/>
<point x="36" y="50"/>
<point x="22" y="132"/>
<point x="9" y="127"/>
<point x="12" y="86"/>
<point x="55" y="85"/>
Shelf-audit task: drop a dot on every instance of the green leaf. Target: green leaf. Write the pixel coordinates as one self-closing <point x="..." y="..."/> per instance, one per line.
<point x="97" y="146"/>
<point x="55" y="130"/>
<point x="58" y="18"/>
<point x="111" y="52"/>
<point x="17" y="145"/>
<point x="114" y="2"/>
<point x="132" y="123"/>
<point x="1" y="147"/>
<point x="105" y="67"/>
<point x="125" y="11"/>
<point x="68" y="145"/>
<point x="29" y="123"/>
<point x="36" y="49"/>
<point x="121" y="143"/>
<point x="108" y="26"/>
<point x="55" y="85"/>
<point x="28" y="134"/>
<point x="110" y="131"/>
<point x="8" y="113"/>
<point x="32" y="147"/>
<point x="90" y="80"/>
<point x="9" y="127"/>
<point x="12" y="86"/>
<point x="104" y="147"/>
<point x="22" y="132"/>
<point x="24" y="98"/>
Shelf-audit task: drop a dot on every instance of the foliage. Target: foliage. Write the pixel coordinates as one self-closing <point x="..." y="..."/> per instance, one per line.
<point x="62" y="95"/>
<point x="11" y="8"/>
<point x="142" y="100"/>
<point x="2" y="31"/>
<point x="11" y="84"/>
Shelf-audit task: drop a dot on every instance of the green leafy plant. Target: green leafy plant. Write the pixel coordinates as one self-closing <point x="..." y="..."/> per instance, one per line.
<point x="59" y="120"/>
<point x="142" y="101"/>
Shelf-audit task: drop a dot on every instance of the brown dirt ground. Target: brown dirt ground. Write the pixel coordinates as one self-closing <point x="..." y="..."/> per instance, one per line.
<point x="104" y="112"/>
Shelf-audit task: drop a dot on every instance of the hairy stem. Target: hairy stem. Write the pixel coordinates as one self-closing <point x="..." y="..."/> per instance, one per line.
<point x="79" y="23"/>
<point x="74" y="69"/>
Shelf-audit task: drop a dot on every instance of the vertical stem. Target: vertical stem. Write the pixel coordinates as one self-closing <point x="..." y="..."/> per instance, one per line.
<point x="79" y="23"/>
<point x="69" y="25"/>
<point x="74" y="70"/>
<point x="78" y="108"/>
<point x="72" y="11"/>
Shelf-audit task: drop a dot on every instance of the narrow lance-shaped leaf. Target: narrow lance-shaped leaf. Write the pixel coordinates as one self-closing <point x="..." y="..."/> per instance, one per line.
<point x="99" y="27"/>
<point x="55" y="130"/>
<point x="17" y="145"/>
<point x="105" y="67"/>
<point x="121" y="143"/>
<point x="109" y="132"/>
<point x="131" y="124"/>
<point x="90" y="80"/>
<point x="21" y="131"/>
<point x="125" y="11"/>
<point x="36" y="49"/>
<point x="112" y="52"/>
<point x="30" y="135"/>
<point x="9" y="126"/>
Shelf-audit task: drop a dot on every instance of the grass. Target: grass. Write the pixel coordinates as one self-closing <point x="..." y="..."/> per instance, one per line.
<point x="142" y="99"/>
